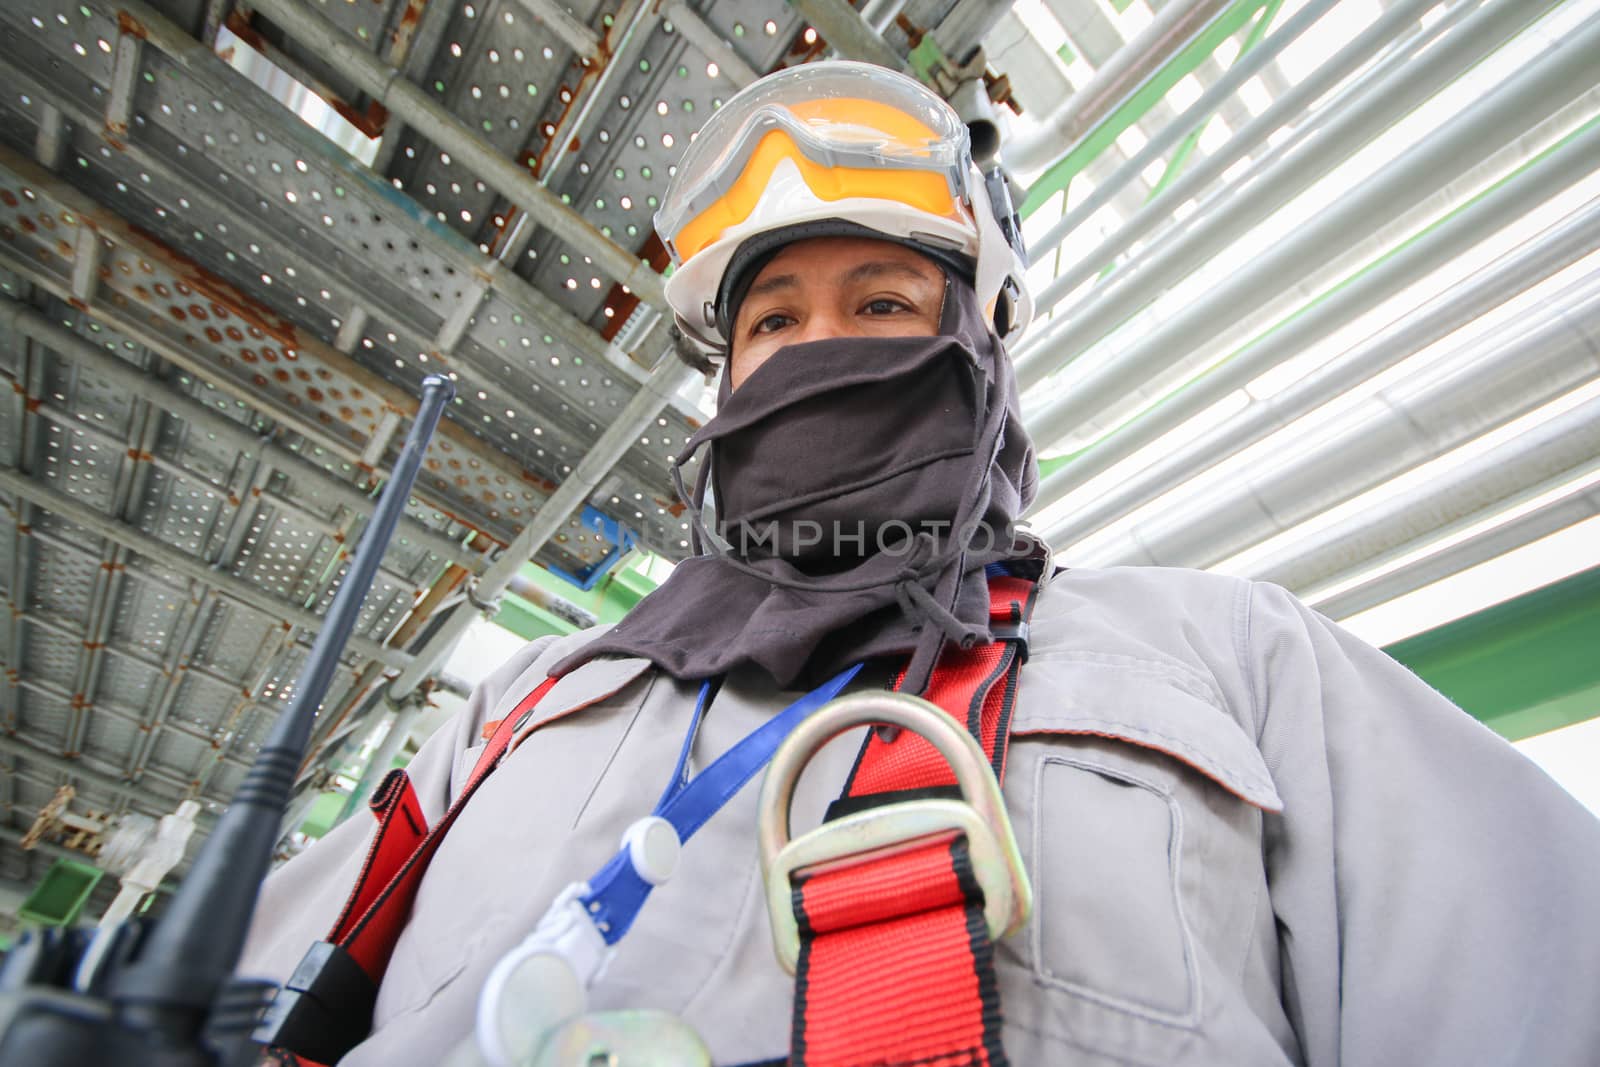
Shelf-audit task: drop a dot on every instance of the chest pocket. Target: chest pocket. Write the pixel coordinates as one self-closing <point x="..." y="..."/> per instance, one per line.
<point x="1143" y="799"/>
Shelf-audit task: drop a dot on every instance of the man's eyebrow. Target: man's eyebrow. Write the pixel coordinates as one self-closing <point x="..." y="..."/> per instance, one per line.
<point x="877" y="268"/>
<point x="872" y="268"/>
<point x="777" y="281"/>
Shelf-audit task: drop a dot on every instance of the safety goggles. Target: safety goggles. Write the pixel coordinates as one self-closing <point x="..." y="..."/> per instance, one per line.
<point x="850" y="130"/>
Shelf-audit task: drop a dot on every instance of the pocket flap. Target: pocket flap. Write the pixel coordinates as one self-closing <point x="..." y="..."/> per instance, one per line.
<point x="1146" y="703"/>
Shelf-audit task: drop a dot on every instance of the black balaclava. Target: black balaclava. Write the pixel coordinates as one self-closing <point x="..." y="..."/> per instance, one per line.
<point x="889" y="443"/>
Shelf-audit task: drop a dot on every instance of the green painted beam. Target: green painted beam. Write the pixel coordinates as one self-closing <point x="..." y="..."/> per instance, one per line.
<point x="1522" y="667"/>
<point x="1131" y="110"/>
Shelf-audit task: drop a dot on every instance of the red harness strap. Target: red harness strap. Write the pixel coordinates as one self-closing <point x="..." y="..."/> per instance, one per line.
<point x="896" y="965"/>
<point x="325" y="1008"/>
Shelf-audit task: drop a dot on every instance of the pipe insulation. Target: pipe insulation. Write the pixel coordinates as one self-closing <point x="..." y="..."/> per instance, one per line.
<point x="1168" y="136"/>
<point x="1288" y="113"/>
<point x="1578" y="505"/>
<point x="1557" y="453"/>
<point x="1120" y="77"/>
<point x="1531" y="262"/>
<point x="1525" y="363"/>
<point x="1372" y="106"/>
<point x="1501" y="116"/>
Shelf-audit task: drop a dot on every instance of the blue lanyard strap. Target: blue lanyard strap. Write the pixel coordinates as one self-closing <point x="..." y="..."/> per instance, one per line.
<point x="618" y="891"/>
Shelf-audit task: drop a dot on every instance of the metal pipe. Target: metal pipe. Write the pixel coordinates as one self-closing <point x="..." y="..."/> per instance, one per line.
<point x="1551" y="518"/>
<point x="1134" y="64"/>
<point x="1243" y="69"/>
<point x="1397" y="84"/>
<point x="432" y="120"/>
<point x="698" y="32"/>
<point x="656" y="392"/>
<point x="1530" y="94"/>
<point x="13" y="481"/>
<point x="848" y="32"/>
<point x="1487" y="382"/>
<point x="1534" y="260"/>
<point x="1556" y="453"/>
<point x="1382" y="37"/>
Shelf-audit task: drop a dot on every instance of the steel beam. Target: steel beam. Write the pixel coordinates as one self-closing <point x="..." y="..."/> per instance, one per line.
<point x="1539" y="258"/>
<point x="52" y="137"/>
<point x="575" y="35"/>
<point x="710" y="43"/>
<point x="1512" y="665"/>
<point x="629" y="25"/>
<point x="1522" y="100"/>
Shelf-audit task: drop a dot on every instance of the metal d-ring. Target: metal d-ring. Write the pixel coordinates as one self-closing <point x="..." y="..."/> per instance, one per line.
<point x="980" y="814"/>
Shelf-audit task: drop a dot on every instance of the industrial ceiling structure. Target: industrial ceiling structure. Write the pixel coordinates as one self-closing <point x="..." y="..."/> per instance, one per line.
<point x="1288" y="256"/>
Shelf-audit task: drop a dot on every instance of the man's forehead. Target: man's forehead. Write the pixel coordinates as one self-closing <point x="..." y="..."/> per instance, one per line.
<point x="842" y="261"/>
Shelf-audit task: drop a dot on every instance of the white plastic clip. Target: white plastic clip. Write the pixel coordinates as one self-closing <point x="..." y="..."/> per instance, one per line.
<point x="653" y="847"/>
<point x="541" y="984"/>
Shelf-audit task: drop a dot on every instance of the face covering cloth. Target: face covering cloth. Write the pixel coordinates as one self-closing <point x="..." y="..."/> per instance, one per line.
<point x="862" y="484"/>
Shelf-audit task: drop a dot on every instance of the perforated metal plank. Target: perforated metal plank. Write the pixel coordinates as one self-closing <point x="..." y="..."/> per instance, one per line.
<point x="633" y="142"/>
<point x="61" y="581"/>
<point x="192" y="111"/>
<point x="42" y="715"/>
<point x="145" y="614"/>
<point x="509" y="79"/>
<point x="130" y="682"/>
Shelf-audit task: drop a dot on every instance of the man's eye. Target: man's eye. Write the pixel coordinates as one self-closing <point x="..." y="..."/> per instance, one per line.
<point x="884" y="306"/>
<point x="771" y="323"/>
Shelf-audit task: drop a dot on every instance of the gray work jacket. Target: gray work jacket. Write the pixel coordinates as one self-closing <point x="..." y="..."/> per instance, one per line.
<point x="1253" y="840"/>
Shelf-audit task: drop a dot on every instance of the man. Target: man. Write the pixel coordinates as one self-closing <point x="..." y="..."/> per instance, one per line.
<point x="1251" y="839"/>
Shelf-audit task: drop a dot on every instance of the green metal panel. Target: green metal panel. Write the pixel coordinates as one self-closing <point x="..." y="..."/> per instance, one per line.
<point x="1523" y="667"/>
<point x="325" y="813"/>
<point x="61" y="893"/>
<point x="528" y="620"/>
<point x="1100" y="138"/>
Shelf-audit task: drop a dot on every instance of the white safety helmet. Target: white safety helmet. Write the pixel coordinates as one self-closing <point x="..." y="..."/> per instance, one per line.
<point x="835" y="147"/>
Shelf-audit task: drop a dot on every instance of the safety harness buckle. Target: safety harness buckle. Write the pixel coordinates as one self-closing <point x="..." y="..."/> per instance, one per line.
<point x="863" y="836"/>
